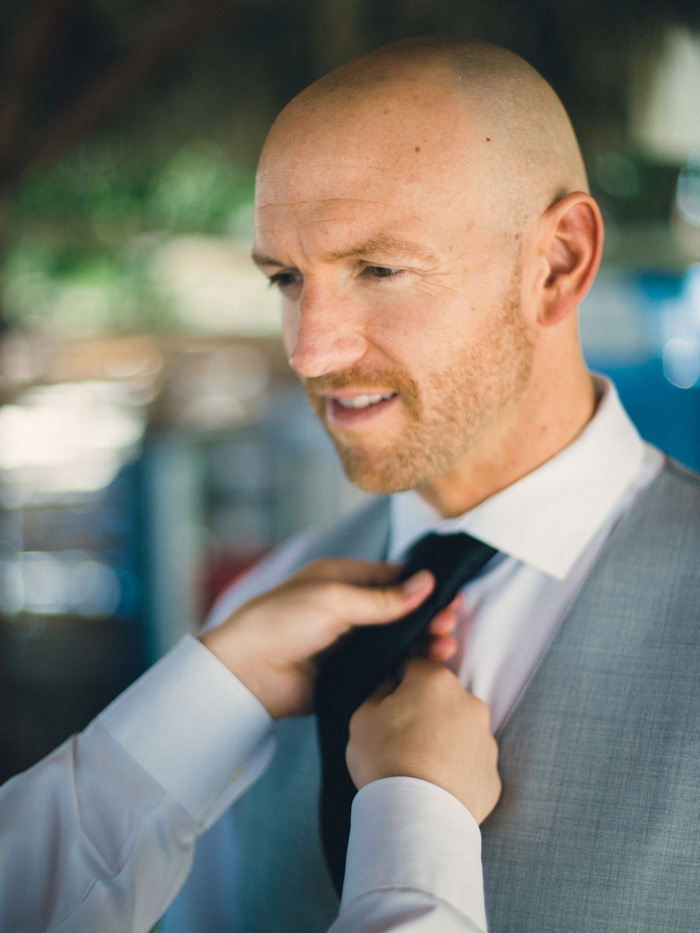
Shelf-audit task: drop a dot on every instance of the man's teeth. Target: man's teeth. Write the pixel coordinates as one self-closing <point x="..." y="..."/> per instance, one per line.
<point x="364" y="401"/>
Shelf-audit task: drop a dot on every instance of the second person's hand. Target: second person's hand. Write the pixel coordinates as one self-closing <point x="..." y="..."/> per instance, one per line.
<point x="428" y="727"/>
<point x="270" y="643"/>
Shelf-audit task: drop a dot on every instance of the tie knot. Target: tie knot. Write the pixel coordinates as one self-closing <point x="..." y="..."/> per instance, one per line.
<point x="353" y="671"/>
<point x="453" y="559"/>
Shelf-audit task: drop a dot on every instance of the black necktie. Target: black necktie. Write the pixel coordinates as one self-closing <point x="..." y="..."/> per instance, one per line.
<point x="354" y="671"/>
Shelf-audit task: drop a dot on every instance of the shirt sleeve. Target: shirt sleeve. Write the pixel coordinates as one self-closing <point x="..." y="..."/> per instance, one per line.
<point x="413" y="864"/>
<point x="100" y="835"/>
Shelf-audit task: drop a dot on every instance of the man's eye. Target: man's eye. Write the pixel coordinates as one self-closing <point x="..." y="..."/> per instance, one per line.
<point x="381" y="272"/>
<point x="284" y="280"/>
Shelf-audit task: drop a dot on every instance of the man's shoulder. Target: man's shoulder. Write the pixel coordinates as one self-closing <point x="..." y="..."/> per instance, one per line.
<point x="675" y="472"/>
<point x="363" y="534"/>
<point x="674" y="494"/>
<point x="662" y="527"/>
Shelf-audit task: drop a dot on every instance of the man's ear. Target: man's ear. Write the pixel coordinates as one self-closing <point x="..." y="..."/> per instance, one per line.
<point x="569" y="247"/>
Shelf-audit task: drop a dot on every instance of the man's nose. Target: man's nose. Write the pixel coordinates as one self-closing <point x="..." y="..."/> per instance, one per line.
<point x="323" y="333"/>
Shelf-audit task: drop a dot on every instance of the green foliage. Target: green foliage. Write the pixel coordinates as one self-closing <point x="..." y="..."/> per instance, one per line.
<point x="198" y="190"/>
<point x="83" y="233"/>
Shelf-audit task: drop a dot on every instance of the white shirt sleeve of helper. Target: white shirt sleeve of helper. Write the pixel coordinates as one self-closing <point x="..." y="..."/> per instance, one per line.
<point x="413" y="864"/>
<point x="100" y="835"/>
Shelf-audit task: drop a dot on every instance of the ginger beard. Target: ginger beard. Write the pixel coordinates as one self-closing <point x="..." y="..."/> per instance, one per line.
<point x="473" y="390"/>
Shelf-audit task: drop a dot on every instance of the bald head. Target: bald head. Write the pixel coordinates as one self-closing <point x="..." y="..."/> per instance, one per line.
<point x="471" y="101"/>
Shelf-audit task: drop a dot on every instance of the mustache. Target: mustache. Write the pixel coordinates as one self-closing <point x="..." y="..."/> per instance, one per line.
<point x="357" y="376"/>
<point x="394" y="380"/>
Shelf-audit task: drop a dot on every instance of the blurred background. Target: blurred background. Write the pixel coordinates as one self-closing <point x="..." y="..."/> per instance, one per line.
<point x="152" y="440"/>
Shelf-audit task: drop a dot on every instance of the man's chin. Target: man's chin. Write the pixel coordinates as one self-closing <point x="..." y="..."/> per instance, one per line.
<point x="378" y="475"/>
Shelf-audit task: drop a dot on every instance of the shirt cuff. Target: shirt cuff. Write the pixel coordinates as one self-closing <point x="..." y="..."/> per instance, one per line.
<point x="194" y="728"/>
<point x="410" y="833"/>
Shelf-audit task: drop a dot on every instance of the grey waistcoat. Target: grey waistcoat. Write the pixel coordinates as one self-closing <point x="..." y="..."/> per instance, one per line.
<point x="598" y="828"/>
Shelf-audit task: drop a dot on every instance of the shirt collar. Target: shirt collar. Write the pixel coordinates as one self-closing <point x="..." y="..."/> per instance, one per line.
<point x="547" y="518"/>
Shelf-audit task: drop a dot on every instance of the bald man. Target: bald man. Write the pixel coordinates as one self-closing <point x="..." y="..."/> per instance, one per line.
<point x="425" y="215"/>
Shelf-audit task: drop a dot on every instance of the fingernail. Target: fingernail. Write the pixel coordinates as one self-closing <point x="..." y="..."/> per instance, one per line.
<point x="417" y="581"/>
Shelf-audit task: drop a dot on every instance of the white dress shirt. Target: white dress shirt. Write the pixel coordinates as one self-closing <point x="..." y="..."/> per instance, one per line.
<point x="100" y="835"/>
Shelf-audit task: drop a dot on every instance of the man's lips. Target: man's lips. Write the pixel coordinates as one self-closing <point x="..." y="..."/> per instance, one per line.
<point x="351" y="408"/>
<point x="361" y="401"/>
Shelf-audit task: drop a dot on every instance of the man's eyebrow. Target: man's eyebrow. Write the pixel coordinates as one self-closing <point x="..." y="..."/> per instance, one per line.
<point x="260" y="260"/>
<point x="382" y="244"/>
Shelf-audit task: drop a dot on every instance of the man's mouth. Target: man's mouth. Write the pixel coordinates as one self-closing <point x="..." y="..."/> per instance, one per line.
<point x="348" y="412"/>
<point x="364" y="401"/>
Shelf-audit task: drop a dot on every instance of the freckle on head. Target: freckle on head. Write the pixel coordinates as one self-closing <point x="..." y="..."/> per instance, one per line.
<point x="417" y="148"/>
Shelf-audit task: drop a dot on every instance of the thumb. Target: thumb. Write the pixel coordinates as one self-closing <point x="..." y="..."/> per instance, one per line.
<point x="379" y="604"/>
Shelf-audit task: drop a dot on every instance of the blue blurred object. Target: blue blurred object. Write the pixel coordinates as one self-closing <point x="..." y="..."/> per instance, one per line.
<point x="653" y="356"/>
<point x="665" y="415"/>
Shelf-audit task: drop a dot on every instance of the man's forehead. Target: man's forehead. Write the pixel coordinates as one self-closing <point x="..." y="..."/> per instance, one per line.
<point x="357" y="208"/>
<point x="379" y="178"/>
<point x="321" y="186"/>
<point x="346" y="209"/>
